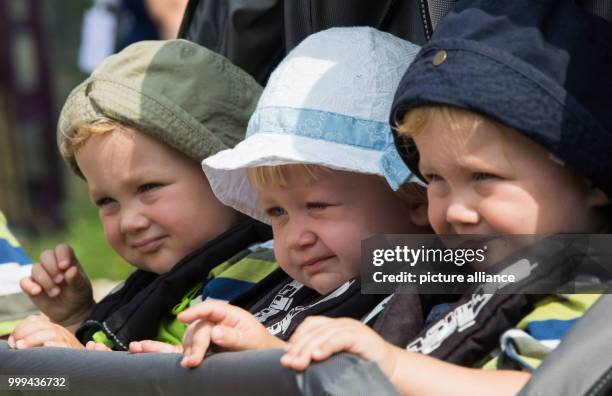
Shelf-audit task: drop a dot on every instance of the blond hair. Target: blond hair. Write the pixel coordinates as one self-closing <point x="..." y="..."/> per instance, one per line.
<point x="278" y="175"/>
<point x="461" y="123"/>
<point x="458" y="120"/>
<point x="82" y="132"/>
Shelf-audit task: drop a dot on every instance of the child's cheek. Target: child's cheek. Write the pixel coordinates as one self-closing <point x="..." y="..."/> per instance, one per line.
<point x="280" y="251"/>
<point x="509" y="216"/>
<point x="112" y="233"/>
<point x="436" y="213"/>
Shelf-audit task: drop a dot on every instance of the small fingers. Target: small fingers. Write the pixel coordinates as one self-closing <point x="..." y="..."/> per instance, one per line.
<point x="37" y="330"/>
<point x="148" y="346"/>
<point x="48" y="259"/>
<point x="307" y="326"/>
<point x="96" y="346"/>
<point x="200" y="311"/>
<point x="134" y="347"/>
<point x="195" y="343"/>
<point x="65" y="256"/>
<point x="295" y="362"/>
<point x="75" y="277"/>
<point x="213" y="311"/>
<point x="328" y="344"/>
<point x="299" y="356"/>
<point x="44" y="279"/>
<point x="73" y="272"/>
<point x="36" y="339"/>
<point x="229" y="338"/>
<point x="319" y="342"/>
<point x="28" y="326"/>
<point x="30" y="287"/>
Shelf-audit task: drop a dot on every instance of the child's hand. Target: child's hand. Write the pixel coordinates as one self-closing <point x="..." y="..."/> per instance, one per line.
<point x="38" y="330"/>
<point x="59" y="287"/>
<point x="97" y="346"/>
<point x="148" y="346"/>
<point x="225" y="325"/>
<point x="319" y="337"/>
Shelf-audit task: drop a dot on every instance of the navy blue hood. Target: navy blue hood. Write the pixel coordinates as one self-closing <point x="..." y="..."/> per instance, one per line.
<point x="543" y="67"/>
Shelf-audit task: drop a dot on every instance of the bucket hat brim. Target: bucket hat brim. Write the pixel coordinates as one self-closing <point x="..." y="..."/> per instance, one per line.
<point x="227" y="170"/>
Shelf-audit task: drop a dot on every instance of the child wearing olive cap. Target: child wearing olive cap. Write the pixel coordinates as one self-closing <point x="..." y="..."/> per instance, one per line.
<point x="136" y="131"/>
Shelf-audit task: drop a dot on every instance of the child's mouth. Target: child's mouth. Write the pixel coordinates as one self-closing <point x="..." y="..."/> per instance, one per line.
<point x="315" y="265"/>
<point x="149" y="245"/>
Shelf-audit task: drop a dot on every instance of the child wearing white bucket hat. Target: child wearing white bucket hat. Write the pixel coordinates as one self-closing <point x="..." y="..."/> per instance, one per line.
<point x="320" y="166"/>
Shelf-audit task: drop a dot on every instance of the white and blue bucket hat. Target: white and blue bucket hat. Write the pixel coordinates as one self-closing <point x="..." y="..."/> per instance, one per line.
<point x="327" y="103"/>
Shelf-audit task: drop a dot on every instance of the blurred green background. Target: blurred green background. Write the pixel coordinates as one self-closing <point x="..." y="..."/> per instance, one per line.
<point x="46" y="204"/>
<point x="57" y="25"/>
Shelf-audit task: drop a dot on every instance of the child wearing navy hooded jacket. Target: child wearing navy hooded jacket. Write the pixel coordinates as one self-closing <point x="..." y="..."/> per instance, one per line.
<point x="505" y="113"/>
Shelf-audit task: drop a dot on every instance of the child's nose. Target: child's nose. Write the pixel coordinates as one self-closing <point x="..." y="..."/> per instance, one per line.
<point x="133" y="220"/>
<point x="461" y="213"/>
<point x="300" y="235"/>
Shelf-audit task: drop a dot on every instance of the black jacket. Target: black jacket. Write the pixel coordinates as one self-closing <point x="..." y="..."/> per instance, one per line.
<point x="135" y="310"/>
<point x="257" y="34"/>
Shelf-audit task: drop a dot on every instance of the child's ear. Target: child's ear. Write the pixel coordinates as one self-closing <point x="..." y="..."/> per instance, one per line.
<point x="418" y="214"/>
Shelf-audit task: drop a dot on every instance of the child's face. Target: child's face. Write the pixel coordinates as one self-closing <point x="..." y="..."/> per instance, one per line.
<point x="494" y="180"/>
<point x="318" y="225"/>
<point x="155" y="203"/>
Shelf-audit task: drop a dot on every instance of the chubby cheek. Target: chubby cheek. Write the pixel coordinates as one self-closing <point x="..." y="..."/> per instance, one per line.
<point x="281" y="253"/>
<point x="436" y="213"/>
<point x="350" y="259"/>
<point x="344" y="242"/>
<point x="112" y="233"/>
<point x="510" y="216"/>
<point x="351" y="269"/>
<point x="187" y="232"/>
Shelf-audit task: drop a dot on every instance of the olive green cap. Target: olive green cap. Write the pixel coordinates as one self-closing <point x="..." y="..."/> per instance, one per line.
<point x="187" y="96"/>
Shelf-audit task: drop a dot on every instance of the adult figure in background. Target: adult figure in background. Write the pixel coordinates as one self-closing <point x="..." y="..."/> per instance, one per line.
<point x="257" y="34"/>
<point x="30" y="177"/>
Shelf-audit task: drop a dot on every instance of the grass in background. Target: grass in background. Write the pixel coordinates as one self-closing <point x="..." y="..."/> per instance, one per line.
<point x="83" y="230"/>
<point x="84" y="233"/>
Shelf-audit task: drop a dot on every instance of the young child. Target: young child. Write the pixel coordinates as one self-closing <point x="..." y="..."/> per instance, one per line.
<point x="136" y="131"/>
<point x="507" y="107"/>
<point x="319" y="165"/>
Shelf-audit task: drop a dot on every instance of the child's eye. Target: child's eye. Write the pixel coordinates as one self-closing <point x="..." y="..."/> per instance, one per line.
<point x="479" y="176"/>
<point x="148" y="187"/>
<point x="275" y="211"/>
<point x="317" y="205"/>
<point x="104" y="201"/>
<point x="432" y="177"/>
